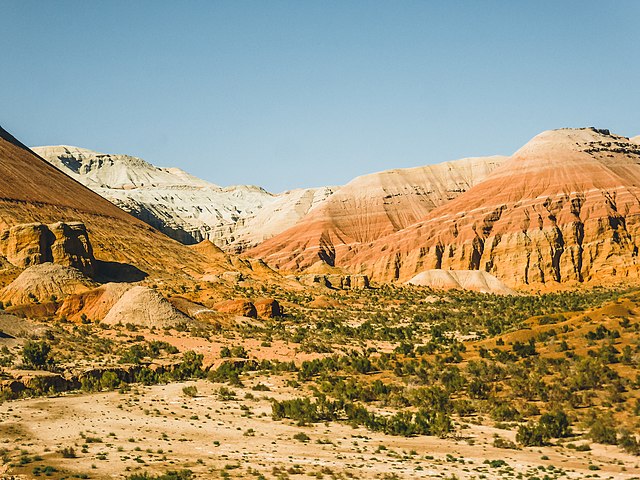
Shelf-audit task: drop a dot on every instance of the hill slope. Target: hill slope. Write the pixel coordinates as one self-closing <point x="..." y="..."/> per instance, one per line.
<point x="182" y="206"/>
<point x="564" y="208"/>
<point x="371" y="207"/>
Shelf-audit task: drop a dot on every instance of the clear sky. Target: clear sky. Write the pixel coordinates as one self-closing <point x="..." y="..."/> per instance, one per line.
<point x="300" y="93"/>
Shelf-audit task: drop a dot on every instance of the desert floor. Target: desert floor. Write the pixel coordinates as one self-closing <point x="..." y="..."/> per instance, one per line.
<point x="159" y="428"/>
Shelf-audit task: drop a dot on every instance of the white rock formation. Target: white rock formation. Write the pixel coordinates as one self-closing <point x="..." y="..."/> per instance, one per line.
<point x="476" y="280"/>
<point x="184" y="207"/>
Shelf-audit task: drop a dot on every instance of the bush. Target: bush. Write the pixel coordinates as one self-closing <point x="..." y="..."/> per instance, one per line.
<point x="109" y="381"/>
<point x="68" y="452"/>
<point x="302" y="437"/>
<point x="190" y="391"/>
<point x="500" y="442"/>
<point x="170" y="475"/>
<point x="629" y="443"/>
<point x="190" y="367"/>
<point x="603" y="431"/>
<point x="555" y="424"/>
<point x="531" y="435"/>
<point x="36" y="355"/>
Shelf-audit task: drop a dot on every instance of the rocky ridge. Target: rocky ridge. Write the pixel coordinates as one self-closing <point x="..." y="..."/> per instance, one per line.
<point x="33" y="191"/>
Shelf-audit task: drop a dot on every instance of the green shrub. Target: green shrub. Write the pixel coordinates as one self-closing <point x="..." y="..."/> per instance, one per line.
<point x="36" y="355"/>
<point x="190" y="391"/>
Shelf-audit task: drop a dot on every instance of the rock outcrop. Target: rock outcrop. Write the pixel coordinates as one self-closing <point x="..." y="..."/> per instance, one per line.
<point x="35" y="191"/>
<point x="268" y="308"/>
<point x="94" y="304"/>
<point x="195" y="310"/>
<point x="333" y="280"/>
<point x="30" y="244"/>
<point x="564" y="208"/>
<point x="144" y="307"/>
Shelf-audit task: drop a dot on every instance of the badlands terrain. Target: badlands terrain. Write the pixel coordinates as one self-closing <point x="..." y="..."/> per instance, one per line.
<point x="475" y="319"/>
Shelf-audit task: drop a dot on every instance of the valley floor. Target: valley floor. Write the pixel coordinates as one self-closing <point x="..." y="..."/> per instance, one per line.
<point x="159" y="428"/>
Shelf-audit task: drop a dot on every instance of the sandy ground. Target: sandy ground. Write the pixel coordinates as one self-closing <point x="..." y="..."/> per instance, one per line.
<point x="158" y="428"/>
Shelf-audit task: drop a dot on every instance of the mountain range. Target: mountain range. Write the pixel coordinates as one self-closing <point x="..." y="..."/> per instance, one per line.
<point x="562" y="209"/>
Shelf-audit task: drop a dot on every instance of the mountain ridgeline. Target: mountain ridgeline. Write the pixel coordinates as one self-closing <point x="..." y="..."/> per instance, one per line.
<point x="562" y="209"/>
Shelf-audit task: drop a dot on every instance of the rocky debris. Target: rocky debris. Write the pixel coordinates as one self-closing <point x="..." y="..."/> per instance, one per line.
<point x="474" y="280"/>
<point x="45" y="282"/>
<point x="94" y="304"/>
<point x="30" y="244"/>
<point x="144" y="307"/>
<point x="268" y="308"/>
<point x="242" y="307"/>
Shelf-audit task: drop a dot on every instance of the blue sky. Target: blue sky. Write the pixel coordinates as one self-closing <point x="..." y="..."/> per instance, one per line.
<point x="287" y="94"/>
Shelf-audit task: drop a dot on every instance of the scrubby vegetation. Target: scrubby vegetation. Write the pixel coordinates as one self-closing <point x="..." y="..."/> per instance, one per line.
<point x="553" y="369"/>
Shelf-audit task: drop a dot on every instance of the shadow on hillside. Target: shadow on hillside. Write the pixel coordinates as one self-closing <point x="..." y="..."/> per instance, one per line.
<point x="118" y="272"/>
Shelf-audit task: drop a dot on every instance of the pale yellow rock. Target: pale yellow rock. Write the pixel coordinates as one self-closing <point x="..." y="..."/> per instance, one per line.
<point x="474" y="280"/>
<point x="144" y="307"/>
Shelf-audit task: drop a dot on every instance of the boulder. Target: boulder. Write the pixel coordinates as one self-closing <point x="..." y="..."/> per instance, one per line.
<point x="240" y="307"/>
<point x="268" y="308"/>
<point x="339" y="281"/>
<point x="26" y="244"/>
<point x="195" y="310"/>
<point x="71" y="246"/>
<point x="359" y="281"/>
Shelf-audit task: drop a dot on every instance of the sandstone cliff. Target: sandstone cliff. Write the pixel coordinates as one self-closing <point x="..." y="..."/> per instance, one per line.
<point x="67" y="244"/>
